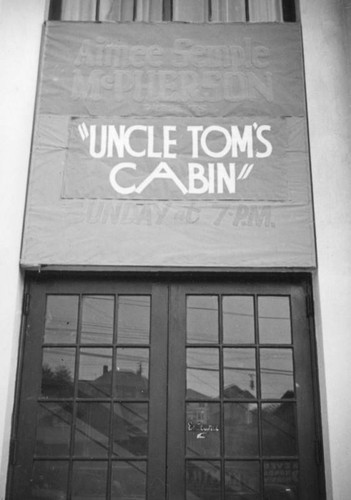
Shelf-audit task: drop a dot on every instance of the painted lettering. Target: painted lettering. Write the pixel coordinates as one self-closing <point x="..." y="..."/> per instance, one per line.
<point x="214" y="178"/>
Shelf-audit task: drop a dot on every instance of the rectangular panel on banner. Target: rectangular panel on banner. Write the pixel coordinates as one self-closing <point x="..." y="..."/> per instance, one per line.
<point x="170" y="144"/>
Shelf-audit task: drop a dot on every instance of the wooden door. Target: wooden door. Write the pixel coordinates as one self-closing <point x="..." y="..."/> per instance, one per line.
<point x="134" y="389"/>
<point x="241" y="418"/>
<point x="92" y="413"/>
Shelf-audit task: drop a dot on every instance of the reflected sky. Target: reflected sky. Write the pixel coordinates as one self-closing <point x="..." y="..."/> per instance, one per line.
<point x="202" y="319"/>
<point x="274" y="320"/>
<point x="61" y="318"/>
<point x="133" y="319"/>
<point x="97" y="319"/>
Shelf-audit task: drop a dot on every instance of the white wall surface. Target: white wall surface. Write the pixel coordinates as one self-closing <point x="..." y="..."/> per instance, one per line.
<point x="325" y="28"/>
<point x="20" y="35"/>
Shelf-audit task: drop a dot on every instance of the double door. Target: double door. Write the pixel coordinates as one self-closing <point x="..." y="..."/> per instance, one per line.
<point x="140" y="390"/>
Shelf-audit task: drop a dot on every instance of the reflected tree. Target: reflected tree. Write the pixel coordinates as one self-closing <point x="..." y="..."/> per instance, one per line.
<point x="57" y="382"/>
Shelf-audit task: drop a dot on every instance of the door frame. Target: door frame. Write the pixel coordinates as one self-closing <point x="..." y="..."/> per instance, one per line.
<point x="165" y="278"/>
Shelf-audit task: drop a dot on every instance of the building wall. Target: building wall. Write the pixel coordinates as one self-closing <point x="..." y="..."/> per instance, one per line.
<point x="326" y="24"/>
<point x="20" y="28"/>
<point x="325" y="27"/>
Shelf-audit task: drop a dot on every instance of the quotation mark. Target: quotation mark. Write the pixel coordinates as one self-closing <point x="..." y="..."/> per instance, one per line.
<point x="83" y="130"/>
<point x="245" y="171"/>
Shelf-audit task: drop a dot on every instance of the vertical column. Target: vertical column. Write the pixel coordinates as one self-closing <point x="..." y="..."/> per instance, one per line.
<point x="325" y="26"/>
<point x="21" y="27"/>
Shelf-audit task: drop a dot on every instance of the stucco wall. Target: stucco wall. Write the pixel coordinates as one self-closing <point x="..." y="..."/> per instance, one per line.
<point x="20" y="28"/>
<point x="325" y="26"/>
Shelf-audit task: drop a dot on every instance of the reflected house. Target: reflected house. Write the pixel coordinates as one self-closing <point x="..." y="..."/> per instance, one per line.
<point x="279" y="426"/>
<point x="129" y="417"/>
<point x="127" y="385"/>
<point x="197" y="413"/>
<point x="240" y="422"/>
<point x="92" y="429"/>
<point x="207" y="412"/>
<point x="242" y="413"/>
<point x="241" y="438"/>
<point x="234" y="392"/>
<point x="53" y="433"/>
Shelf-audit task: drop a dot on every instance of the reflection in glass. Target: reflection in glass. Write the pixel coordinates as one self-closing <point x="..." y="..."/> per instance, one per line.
<point x="133" y="319"/>
<point x="95" y="373"/>
<point x="92" y="429"/>
<point x="89" y="480"/>
<point x="228" y="12"/>
<point x="202" y="373"/>
<point x="49" y="479"/>
<point x="279" y="429"/>
<point x="132" y="375"/>
<point x="277" y="378"/>
<point x="203" y="429"/>
<point x="241" y="429"/>
<point x="57" y="372"/>
<point x="281" y="479"/>
<point x="128" y="480"/>
<point x="78" y="11"/>
<point x="203" y="480"/>
<point x="202" y="319"/>
<point x="190" y="12"/>
<point x="118" y="10"/>
<point x="274" y="320"/>
<point x="238" y="319"/>
<point x="97" y="319"/>
<point x="130" y="429"/>
<point x="53" y="429"/>
<point x="61" y="319"/>
<point x="239" y="373"/>
<point x="242" y="480"/>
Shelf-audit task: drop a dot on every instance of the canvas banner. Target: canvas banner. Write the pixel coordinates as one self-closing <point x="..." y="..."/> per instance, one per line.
<point x="170" y="144"/>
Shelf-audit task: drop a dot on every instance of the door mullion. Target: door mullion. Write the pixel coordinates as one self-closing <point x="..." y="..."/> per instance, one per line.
<point x="156" y="486"/>
<point x="176" y="396"/>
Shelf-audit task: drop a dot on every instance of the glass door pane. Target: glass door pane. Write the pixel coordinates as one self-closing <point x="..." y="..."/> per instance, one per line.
<point x="78" y="10"/>
<point x="195" y="11"/>
<point x="238" y="413"/>
<point x="265" y="11"/>
<point x="228" y="11"/>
